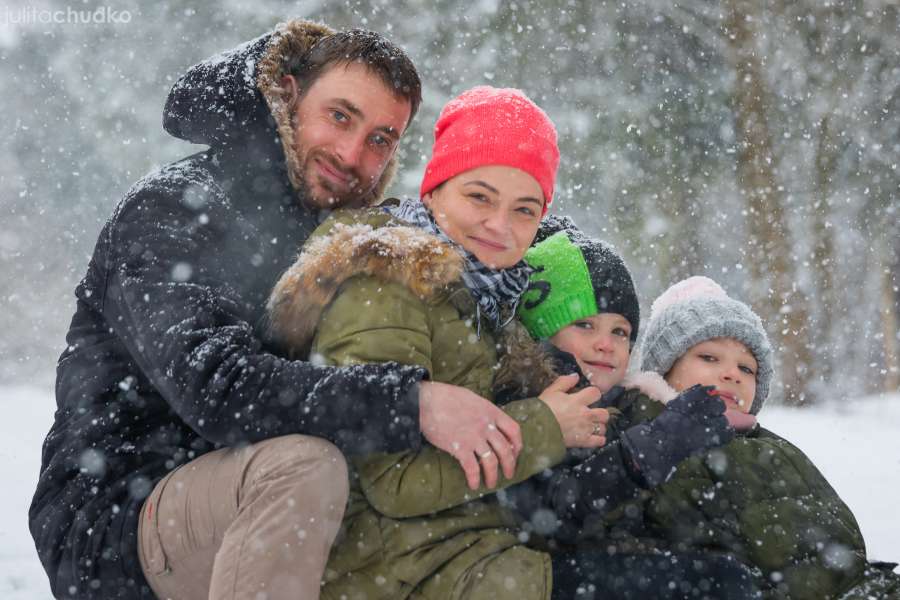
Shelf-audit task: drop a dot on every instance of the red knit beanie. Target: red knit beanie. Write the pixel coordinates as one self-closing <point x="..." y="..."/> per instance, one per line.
<point x="493" y="126"/>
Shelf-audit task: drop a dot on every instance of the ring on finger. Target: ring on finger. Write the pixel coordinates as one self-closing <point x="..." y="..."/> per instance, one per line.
<point x="492" y="427"/>
<point x="597" y="430"/>
<point x="485" y="454"/>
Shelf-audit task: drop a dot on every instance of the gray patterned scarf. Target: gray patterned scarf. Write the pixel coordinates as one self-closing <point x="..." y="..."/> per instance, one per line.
<point x="493" y="289"/>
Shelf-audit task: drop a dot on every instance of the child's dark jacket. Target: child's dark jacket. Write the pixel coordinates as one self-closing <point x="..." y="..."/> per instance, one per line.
<point x="759" y="498"/>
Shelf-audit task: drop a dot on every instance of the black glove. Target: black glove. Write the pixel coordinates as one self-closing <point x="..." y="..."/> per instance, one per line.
<point x="690" y="424"/>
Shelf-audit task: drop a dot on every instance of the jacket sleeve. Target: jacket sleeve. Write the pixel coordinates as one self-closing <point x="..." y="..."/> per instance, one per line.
<point x="589" y="484"/>
<point x="169" y="300"/>
<point x="576" y="491"/>
<point x="806" y="534"/>
<point x="763" y="500"/>
<point x="394" y="326"/>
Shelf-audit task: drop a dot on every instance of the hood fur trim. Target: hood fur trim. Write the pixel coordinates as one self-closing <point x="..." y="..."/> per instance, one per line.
<point x="399" y="254"/>
<point x="652" y="384"/>
<point x="290" y="39"/>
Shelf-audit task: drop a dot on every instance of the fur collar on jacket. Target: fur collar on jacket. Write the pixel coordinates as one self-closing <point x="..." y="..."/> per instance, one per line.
<point x="650" y="384"/>
<point x="400" y="254"/>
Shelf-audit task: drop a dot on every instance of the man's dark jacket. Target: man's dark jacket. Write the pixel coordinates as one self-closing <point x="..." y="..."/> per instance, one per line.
<point x="166" y="359"/>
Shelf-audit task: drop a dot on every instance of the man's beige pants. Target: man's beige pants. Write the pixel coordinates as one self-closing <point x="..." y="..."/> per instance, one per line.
<point x="249" y="523"/>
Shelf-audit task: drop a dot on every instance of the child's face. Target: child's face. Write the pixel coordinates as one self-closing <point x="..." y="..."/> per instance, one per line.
<point x="601" y="344"/>
<point x="724" y="363"/>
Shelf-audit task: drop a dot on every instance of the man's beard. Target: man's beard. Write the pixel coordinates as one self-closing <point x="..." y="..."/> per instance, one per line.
<point x="326" y="194"/>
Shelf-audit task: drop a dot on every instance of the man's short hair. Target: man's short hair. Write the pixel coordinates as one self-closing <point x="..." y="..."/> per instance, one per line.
<point x="382" y="57"/>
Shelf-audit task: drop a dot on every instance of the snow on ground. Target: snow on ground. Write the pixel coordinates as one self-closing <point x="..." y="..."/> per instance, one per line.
<point x="856" y="446"/>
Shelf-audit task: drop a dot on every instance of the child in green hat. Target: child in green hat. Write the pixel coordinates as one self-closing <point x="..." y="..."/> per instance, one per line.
<point x="582" y="307"/>
<point x="581" y="300"/>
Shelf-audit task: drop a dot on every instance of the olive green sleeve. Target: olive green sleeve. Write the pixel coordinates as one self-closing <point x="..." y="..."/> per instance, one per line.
<point x="415" y="483"/>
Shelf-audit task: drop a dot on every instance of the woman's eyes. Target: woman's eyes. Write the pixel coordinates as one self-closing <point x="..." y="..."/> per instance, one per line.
<point x="584" y="325"/>
<point x="621" y="332"/>
<point x="526" y="210"/>
<point x="478" y="197"/>
<point x="707" y="358"/>
<point x="339" y="116"/>
<point x="747" y="370"/>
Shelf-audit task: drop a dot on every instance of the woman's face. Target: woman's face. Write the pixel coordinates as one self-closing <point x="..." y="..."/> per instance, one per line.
<point x="724" y="363"/>
<point x="492" y="211"/>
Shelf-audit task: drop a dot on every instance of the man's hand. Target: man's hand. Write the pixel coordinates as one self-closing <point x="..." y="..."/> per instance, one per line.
<point x="581" y="425"/>
<point x="471" y="429"/>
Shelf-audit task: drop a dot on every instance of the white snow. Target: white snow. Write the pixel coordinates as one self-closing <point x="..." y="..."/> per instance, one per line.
<point x="856" y="446"/>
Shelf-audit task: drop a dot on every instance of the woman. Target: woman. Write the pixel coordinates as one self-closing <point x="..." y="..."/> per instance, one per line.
<point x="436" y="283"/>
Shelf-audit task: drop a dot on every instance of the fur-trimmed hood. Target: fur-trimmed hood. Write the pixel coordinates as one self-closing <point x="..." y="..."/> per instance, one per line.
<point x="234" y="99"/>
<point x="399" y="253"/>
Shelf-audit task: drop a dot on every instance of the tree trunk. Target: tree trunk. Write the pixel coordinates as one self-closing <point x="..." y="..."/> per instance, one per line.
<point x="889" y="323"/>
<point x="823" y="250"/>
<point x="782" y="306"/>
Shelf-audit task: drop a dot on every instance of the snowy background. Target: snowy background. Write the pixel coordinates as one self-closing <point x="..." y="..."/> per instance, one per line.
<point x="756" y="142"/>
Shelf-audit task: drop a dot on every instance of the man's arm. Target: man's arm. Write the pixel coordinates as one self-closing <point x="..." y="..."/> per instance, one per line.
<point x="189" y="331"/>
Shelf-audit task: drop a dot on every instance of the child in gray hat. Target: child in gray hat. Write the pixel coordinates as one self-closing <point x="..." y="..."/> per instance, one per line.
<point x="758" y="497"/>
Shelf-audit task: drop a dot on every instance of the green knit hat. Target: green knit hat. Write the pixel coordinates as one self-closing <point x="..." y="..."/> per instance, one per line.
<point x="575" y="277"/>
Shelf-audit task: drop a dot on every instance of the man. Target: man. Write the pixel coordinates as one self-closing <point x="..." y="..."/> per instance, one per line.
<point x="181" y="463"/>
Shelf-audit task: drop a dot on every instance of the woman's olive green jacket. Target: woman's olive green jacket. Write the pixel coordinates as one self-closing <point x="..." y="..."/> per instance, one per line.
<point x="367" y="288"/>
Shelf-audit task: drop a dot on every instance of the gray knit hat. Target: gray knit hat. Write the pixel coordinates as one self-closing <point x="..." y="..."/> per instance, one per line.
<point x="698" y="309"/>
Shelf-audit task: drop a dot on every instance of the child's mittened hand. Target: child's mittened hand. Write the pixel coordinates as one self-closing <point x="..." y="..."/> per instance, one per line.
<point x="691" y="423"/>
<point x="698" y="401"/>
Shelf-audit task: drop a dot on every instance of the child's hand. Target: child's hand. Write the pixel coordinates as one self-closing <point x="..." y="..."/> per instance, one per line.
<point x="581" y="425"/>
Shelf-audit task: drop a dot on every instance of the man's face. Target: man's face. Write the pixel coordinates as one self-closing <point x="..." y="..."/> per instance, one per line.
<point x="346" y="128"/>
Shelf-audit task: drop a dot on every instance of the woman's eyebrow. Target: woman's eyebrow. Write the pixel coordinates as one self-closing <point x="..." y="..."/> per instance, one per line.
<point x="491" y="188"/>
<point x="484" y="185"/>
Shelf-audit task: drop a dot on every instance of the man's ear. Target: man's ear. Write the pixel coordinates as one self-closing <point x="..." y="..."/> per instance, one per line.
<point x="289" y="85"/>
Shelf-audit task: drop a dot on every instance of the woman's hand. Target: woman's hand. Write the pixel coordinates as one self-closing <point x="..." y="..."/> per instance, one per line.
<point x="471" y="429"/>
<point x="581" y="426"/>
